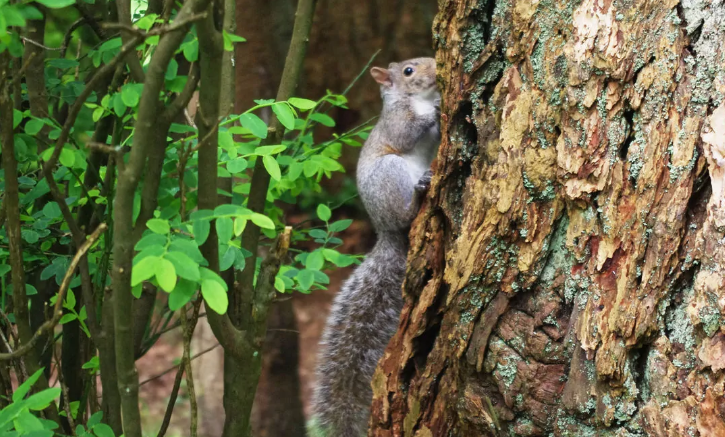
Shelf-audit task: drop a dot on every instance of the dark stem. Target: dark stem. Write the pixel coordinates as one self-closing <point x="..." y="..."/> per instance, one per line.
<point x="12" y="211"/>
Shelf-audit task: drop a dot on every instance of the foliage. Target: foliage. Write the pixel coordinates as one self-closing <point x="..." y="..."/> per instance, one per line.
<point x="72" y="151"/>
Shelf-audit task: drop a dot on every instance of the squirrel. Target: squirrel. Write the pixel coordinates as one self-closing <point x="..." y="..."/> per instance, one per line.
<point x="392" y="176"/>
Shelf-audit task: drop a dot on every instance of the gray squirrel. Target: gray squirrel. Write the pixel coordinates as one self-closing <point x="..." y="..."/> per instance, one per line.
<point x="392" y="177"/>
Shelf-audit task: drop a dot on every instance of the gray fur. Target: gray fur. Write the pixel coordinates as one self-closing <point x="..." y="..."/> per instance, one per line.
<point x="392" y="174"/>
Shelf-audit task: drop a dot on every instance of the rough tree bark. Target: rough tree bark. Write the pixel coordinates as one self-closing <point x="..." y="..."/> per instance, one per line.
<point x="567" y="275"/>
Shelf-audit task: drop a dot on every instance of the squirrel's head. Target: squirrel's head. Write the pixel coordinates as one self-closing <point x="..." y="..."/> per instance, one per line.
<point x="412" y="77"/>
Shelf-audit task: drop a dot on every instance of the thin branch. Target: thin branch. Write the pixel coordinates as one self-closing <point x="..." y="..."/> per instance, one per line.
<point x="116" y="152"/>
<point x="189" y="326"/>
<point x="64" y="391"/>
<point x="69" y="34"/>
<point x="91" y="20"/>
<point x="172" y="400"/>
<point x="37" y="44"/>
<point x="124" y="17"/>
<point x="182" y="99"/>
<point x="9" y="325"/>
<point x="170" y="369"/>
<point x="207" y="139"/>
<point x="26" y="63"/>
<point x="73" y="112"/>
<point x="175" y="25"/>
<point x="60" y="297"/>
<point x="259" y="185"/>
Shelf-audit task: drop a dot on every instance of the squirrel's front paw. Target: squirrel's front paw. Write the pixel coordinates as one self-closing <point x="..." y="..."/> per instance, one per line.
<point x="424" y="182"/>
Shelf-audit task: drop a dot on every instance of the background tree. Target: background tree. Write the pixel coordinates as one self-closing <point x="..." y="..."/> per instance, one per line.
<point x="566" y="276"/>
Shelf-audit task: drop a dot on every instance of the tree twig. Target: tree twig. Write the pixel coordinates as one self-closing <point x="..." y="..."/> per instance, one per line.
<point x="37" y="44"/>
<point x="172" y="400"/>
<point x="170" y="369"/>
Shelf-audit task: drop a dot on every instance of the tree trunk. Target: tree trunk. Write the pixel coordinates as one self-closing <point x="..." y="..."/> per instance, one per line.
<point x="566" y="276"/>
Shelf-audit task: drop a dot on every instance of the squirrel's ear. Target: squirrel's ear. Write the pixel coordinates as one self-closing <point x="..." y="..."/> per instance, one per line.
<point x="381" y="76"/>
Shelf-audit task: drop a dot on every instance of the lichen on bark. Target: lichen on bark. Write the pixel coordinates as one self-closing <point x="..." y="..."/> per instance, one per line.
<point x="566" y="276"/>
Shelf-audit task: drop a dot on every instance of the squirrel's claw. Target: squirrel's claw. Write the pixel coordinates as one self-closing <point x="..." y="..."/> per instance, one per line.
<point x="424" y="182"/>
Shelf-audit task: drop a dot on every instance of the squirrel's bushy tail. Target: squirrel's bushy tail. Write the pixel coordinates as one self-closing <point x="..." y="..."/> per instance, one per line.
<point x="363" y="318"/>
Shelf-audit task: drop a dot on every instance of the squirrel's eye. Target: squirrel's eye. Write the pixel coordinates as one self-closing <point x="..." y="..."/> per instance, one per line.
<point x="408" y="71"/>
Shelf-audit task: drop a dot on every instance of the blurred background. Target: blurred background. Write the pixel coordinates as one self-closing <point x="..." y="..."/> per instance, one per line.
<point x="346" y="34"/>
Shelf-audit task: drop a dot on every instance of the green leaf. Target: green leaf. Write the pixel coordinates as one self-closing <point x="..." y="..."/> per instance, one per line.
<point x="24" y="388"/>
<point x="302" y="104"/>
<point x="30" y="236"/>
<point x="201" y="230"/>
<point x="284" y="114"/>
<point x="118" y="106"/>
<point x="51" y="210"/>
<point x="294" y="170"/>
<point x="270" y="164"/>
<point x="137" y="290"/>
<point x="185" y="266"/>
<point x="279" y="284"/>
<point x="98" y="415"/>
<point x="310" y="168"/>
<point x="323" y="212"/>
<point x="17" y="118"/>
<point x="188" y="248"/>
<point x="98" y="113"/>
<point x="63" y="64"/>
<point x="150" y="240"/>
<point x="315" y="260"/>
<point x="4" y="268"/>
<point x="237" y="165"/>
<point x="262" y="221"/>
<point x="340" y="225"/>
<point x="191" y="50"/>
<point x="159" y="226"/>
<point x="254" y="124"/>
<point x="67" y="157"/>
<point x="56" y="4"/>
<point x="230" y="39"/>
<point x="227" y="258"/>
<point x="182" y="293"/>
<point x="269" y="150"/>
<point x="129" y="95"/>
<point x="146" y="22"/>
<point x="165" y="274"/>
<point x="27" y="424"/>
<point x="226" y="141"/>
<point x="13" y="17"/>
<point x="305" y="278"/>
<point x="40" y="401"/>
<point x="33" y="126"/>
<point x="172" y="70"/>
<point x="323" y="119"/>
<point x="103" y="430"/>
<point x="211" y="275"/>
<point x="30" y="290"/>
<point x="70" y="300"/>
<point x="214" y="296"/>
<point x="144" y="269"/>
<point x="239" y="225"/>
<point x="224" y="228"/>
<point x="67" y="318"/>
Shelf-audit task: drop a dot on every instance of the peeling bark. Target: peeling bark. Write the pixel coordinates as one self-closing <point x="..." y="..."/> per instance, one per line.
<point x="567" y="274"/>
